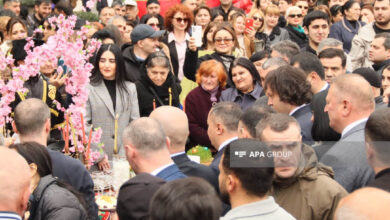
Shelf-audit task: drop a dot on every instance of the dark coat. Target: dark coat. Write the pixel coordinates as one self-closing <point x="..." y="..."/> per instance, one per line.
<point x="52" y="202"/>
<point x="303" y="116"/>
<point x="344" y="32"/>
<point x="132" y="65"/>
<point x="148" y="93"/>
<point x="244" y="100"/>
<point x="382" y="180"/>
<point x="296" y="36"/>
<point x="307" y="48"/>
<point x="135" y="196"/>
<point x="74" y="173"/>
<point x="197" y="107"/>
<point x="191" y="168"/>
<point x="171" y="173"/>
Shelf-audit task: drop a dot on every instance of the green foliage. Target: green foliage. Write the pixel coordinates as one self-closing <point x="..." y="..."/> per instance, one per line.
<point x="89" y="16"/>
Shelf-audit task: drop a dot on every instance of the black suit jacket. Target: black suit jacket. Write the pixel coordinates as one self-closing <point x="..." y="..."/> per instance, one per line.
<point x="303" y="116"/>
<point x="191" y="168"/>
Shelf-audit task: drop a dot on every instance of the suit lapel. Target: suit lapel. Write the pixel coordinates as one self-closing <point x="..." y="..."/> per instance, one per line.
<point x="102" y="92"/>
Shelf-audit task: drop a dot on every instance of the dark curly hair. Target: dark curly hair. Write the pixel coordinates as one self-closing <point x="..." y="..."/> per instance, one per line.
<point x="290" y="84"/>
<point x="171" y="13"/>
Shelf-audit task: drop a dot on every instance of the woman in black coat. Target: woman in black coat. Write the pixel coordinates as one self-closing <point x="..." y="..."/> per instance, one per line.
<point x="295" y="30"/>
<point x="157" y="86"/>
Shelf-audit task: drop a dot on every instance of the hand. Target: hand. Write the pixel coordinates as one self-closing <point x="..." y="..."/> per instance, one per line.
<point x="57" y="80"/>
<point x="104" y="164"/>
<point x="191" y="44"/>
<point x="250" y="32"/>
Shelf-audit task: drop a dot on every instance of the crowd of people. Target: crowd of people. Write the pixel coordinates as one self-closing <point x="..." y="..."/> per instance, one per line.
<point x="305" y="84"/>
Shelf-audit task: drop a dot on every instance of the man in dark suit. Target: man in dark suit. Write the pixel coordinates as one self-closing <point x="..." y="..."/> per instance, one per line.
<point x="222" y="128"/>
<point x="289" y="93"/>
<point x="350" y="101"/>
<point x="146" y="149"/>
<point x="175" y="124"/>
<point x="377" y="135"/>
<point x="135" y="196"/>
<point x="32" y="123"/>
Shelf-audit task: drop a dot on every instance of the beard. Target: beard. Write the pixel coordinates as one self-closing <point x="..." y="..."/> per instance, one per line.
<point x="225" y="198"/>
<point x="383" y="23"/>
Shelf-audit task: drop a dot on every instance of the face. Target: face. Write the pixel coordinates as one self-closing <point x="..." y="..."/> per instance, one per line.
<point x="318" y="30"/>
<point x="239" y="25"/>
<point x="47" y="68"/>
<point x="275" y="102"/>
<point x="210" y="81"/>
<point x="283" y="5"/>
<point x="48" y="30"/>
<point x="14" y="7"/>
<point x="287" y="144"/>
<point x="191" y="4"/>
<point x="242" y="79"/>
<point x="382" y="12"/>
<point x="131" y="12"/>
<point x="263" y="73"/>
<point x="332" y="68"/>
<point x="258" y="21"/>
<point x="338" y="17"/>
<point x="385" y="79"/>
<point x="43" y="10"/>
<point x="180" y="22"/>
<point x="154" y="23"/>
<point x="353" y="13"/>
<point x="367" y="16"/>
<point x="264" y="4"/>
<point x="18" y="32"/>
<point x="271" y="20"/>
<point x="295" y="17"/>
<point x="149" y="45"/>
<point x="106" y="14"/>
<point x="158" y="74"/>
<point x="223" y="42"/>
<point x="334" y="109"/>
<point x="202" y="18"/>
<point x="121" y="25"/>
<point x="107" y="65"/>
<point x="120" y="10"/>
<point x="153" y="9"/>
<point x="377" y="51"/>
<point x="218" y="19"/>
<point x="226" y="2"/>
<point x="335" y="2"/>
<point x="304" y="6"/>
<point x="210" y="34"/>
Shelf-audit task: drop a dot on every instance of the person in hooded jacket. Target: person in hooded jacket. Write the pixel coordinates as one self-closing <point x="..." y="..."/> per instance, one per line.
<point x="157" y="86"/>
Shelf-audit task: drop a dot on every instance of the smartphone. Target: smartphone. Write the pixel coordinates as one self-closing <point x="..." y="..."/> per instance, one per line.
<point x="197" y="34"/>
<point x="248" y="23"/>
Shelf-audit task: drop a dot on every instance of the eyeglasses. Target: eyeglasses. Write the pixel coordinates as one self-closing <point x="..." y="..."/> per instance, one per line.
<point x="295" y="16"/>
<point x="180" y="20"/>
<point x="257" y="18"/>
<point x="154" y="24"/>
<point x="306" y="7"/>
<point x="226" y="40"/>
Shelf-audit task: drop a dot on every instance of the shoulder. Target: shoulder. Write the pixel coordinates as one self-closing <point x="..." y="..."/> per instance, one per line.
<point x="130" y="86"/>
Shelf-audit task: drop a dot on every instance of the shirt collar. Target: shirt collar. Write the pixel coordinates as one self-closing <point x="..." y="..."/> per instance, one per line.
<point x="223" y="145"/>
<point x="352" y="125"/>
<point x="324" y="87"/>
<point x="177" y="154"/>
<point x="296" y="109"/>
<point x="9" y="215"/>
<point x="158" y="170"/>
<point x="171" y="37"/>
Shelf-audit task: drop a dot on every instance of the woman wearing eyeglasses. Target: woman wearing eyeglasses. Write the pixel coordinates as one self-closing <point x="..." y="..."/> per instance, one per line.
<point x="178" y="20"/>
<point x="254" y="33"/>
<point x="225" y="41"/>
<point x="294" y="28"/>
<point x="347" y="28"/>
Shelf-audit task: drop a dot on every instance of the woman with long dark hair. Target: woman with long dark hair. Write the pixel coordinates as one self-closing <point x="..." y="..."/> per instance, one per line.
<point x="51" y="199"/>
<point x="157" y="86"/>
<point x="349" y="26"/>
<point x="246" y="81"/>
<point x="112" y="101"/>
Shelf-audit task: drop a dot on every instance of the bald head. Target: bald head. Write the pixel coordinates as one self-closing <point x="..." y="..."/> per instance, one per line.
<point x="15" y="181"/>
<point x="366" y="203"/>
<point x="357" y="90"/>
<point x="30" y="116"/>
<point x="175" y="124"/>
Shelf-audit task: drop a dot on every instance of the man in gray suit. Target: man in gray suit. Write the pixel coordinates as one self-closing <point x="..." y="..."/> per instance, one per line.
<point x="350" y="102"/>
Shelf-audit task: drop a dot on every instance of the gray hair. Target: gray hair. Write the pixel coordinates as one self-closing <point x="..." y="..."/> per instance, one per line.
<point x="146" y="134"/>
<point x="112" y="19"/>
<point x="328" y="42"/>
<point x="274" y="61"/>
<point x="228" y="113"/>
<point x="30" y="116"/>
<point x="286" y="48"/>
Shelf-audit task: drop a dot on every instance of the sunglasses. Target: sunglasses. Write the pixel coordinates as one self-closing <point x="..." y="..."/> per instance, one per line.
<point x="180" y="20"/>
<point x="226" y="40"/>
<point x="306" y="7"/>
<point x="154" y="24"/>
<point x="257" y="18"/>
<point x="295" y="16"/>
